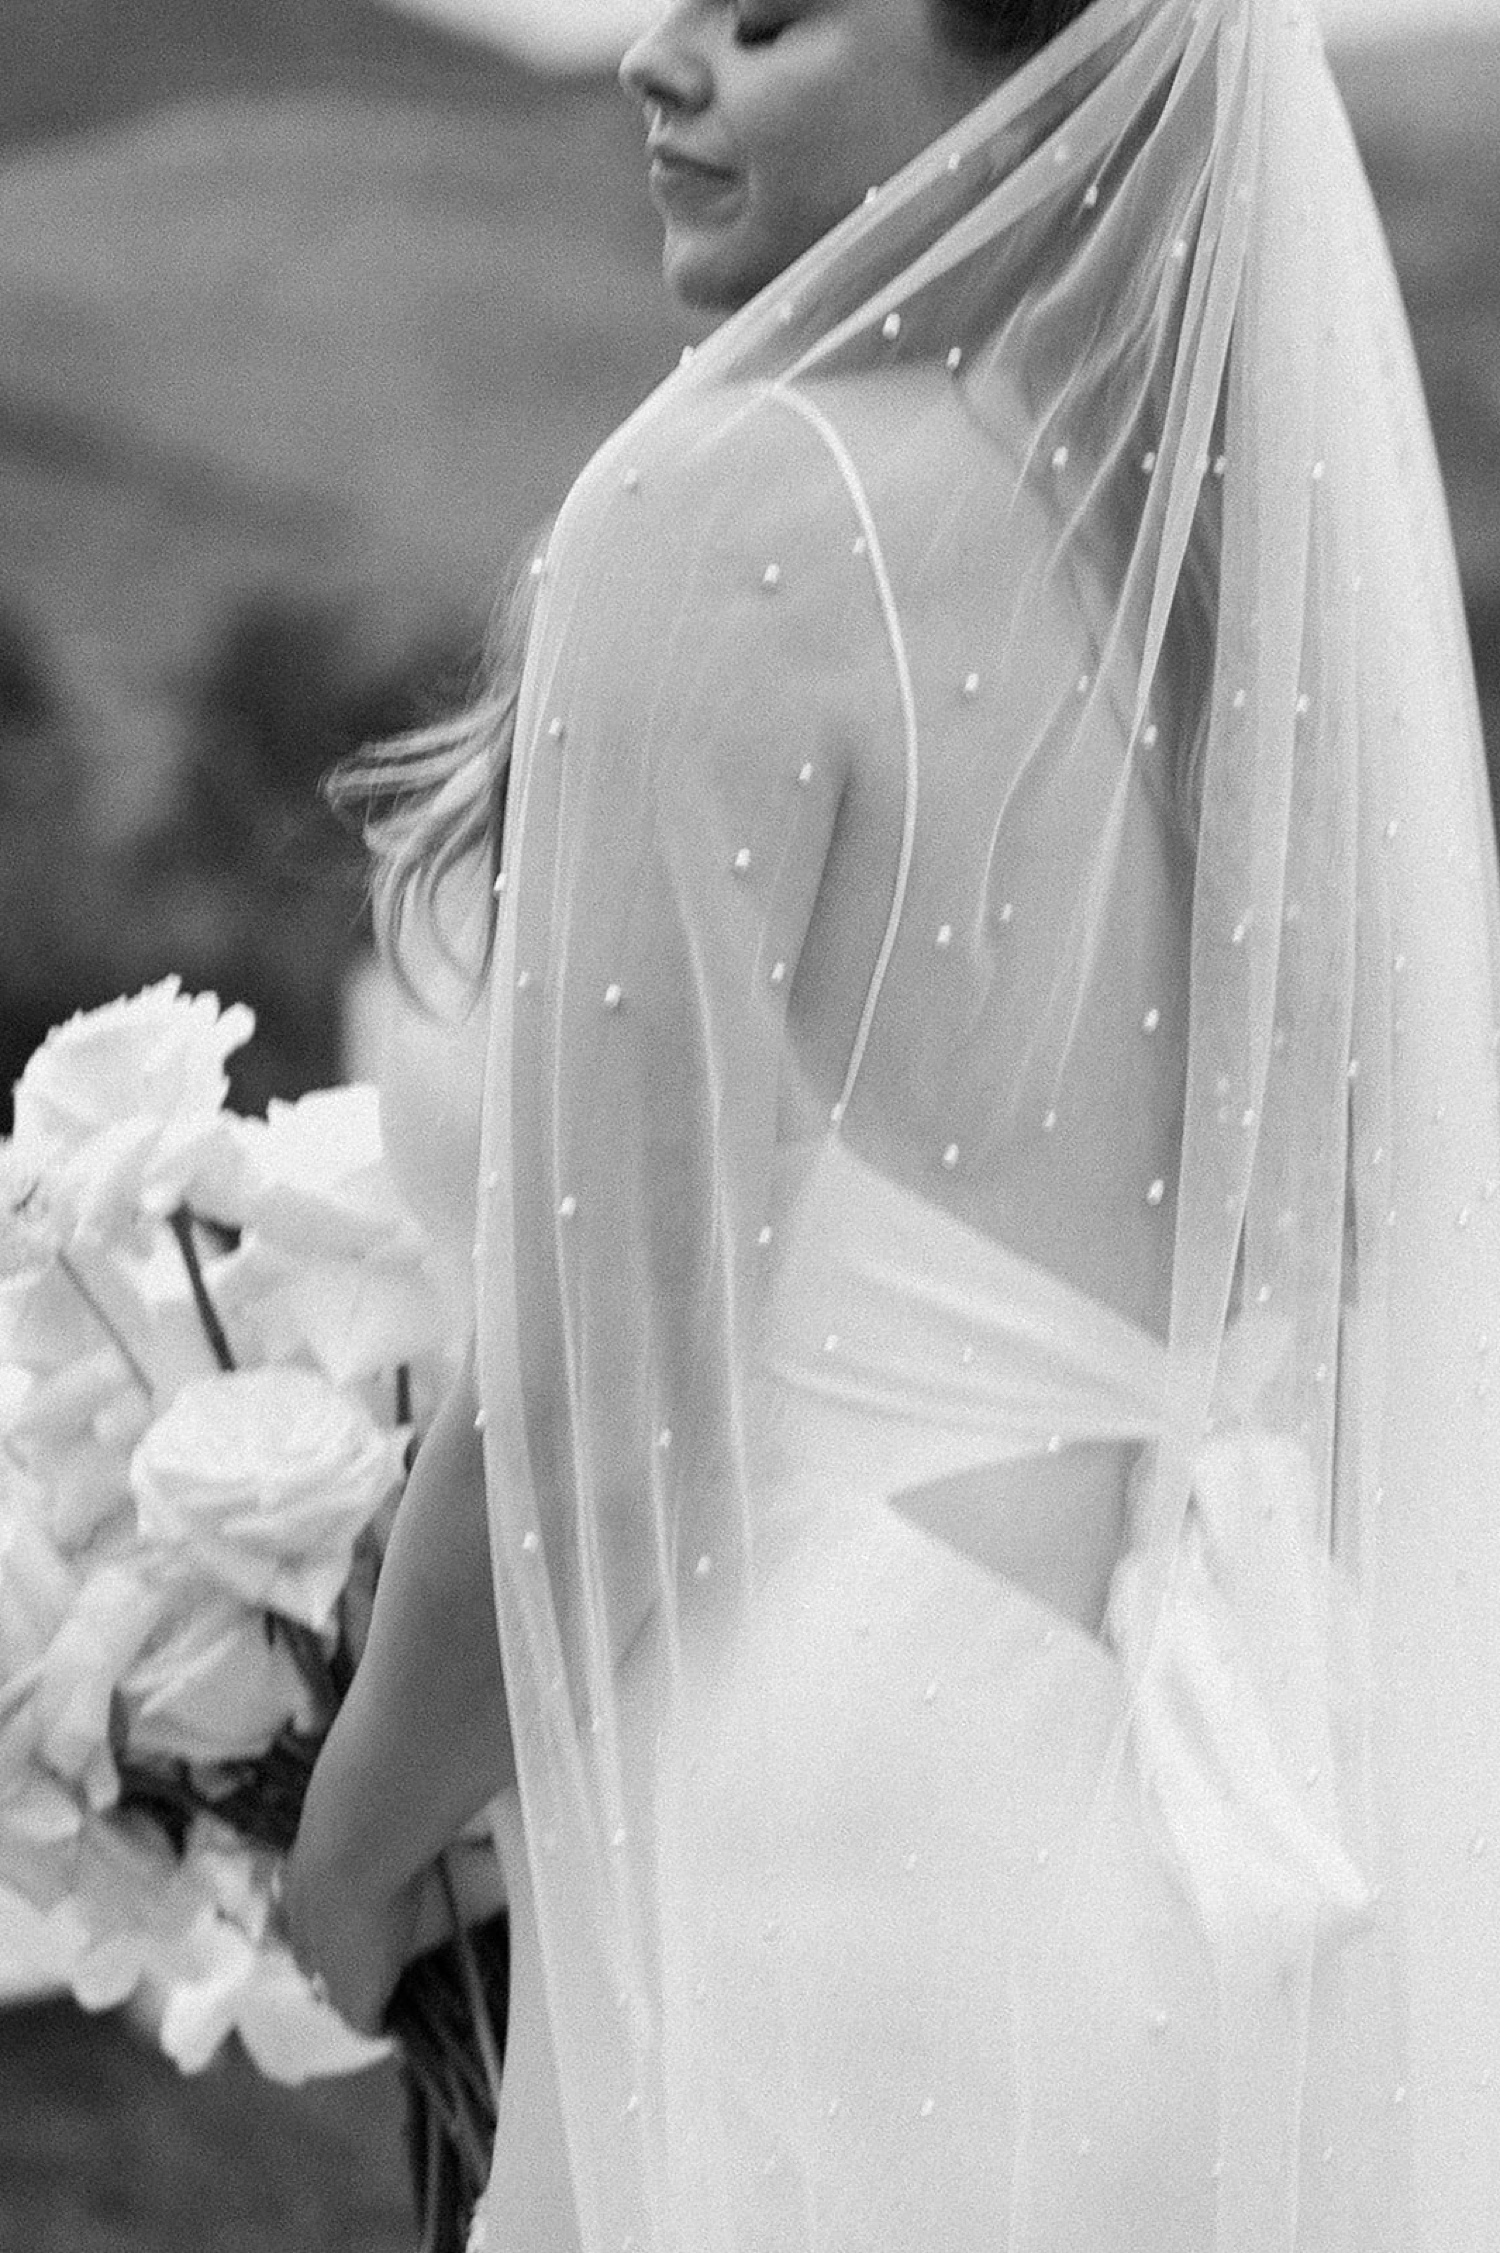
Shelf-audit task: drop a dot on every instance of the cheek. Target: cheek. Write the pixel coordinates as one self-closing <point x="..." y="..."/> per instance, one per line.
<point x="815" y="130"/>
<point x="810" y="171"/>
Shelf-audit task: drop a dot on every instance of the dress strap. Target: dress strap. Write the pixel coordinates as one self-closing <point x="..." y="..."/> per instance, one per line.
<point x="874" y="554"/>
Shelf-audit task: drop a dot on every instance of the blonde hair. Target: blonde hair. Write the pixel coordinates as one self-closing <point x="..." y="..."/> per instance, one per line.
<point x="431" y="803"/>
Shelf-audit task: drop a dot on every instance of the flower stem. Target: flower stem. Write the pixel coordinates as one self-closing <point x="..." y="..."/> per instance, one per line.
<point x="432" y="2196"/>
<point x="484" y="2033"/>
<point x="111" y="1329"/>
<point x="311" y="1661"/>
<point x="181" y="1224"/>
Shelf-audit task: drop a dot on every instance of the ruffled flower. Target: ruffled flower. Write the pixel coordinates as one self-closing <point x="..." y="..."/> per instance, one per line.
<point x="119" y="1113"/>
<point x="159" y="1055"/>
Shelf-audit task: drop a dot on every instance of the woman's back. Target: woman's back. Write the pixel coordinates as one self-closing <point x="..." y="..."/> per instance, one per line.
<point x="954" y="845"/>
<point x="912" y="1655"/>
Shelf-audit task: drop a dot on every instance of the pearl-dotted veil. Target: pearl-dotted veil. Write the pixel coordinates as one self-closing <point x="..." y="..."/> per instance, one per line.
<point x="1003" y="704"/>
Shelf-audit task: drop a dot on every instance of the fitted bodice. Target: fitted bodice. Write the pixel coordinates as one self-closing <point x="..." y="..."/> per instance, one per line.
<point x="887" y="1315"/>
<point x="905" y="1356"/>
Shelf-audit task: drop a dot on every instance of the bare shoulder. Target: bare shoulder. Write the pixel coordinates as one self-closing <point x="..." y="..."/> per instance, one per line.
<point x="949" y="491"/>
<point x="911" y="436"/>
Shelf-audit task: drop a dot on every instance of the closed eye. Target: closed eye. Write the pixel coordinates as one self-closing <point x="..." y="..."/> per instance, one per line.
<point x="748" y="32"/>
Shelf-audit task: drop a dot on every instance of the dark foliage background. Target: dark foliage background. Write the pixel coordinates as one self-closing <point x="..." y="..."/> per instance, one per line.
<point x="307" y="316"/>
<point x="105" y="2149"/>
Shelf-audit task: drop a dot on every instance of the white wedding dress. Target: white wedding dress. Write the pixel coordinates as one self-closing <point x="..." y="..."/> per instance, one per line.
<point x="945" y="1430"/>
<point x="911" y="1743"/>
<point x="982" y="1303"/>
<point x="899" y="1351"/>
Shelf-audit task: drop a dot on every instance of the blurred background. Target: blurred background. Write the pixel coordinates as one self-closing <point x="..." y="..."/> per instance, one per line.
<point x="309" y="312"/>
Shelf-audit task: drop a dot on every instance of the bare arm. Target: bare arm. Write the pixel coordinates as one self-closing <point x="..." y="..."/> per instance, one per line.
<point x="422" y="1741"/>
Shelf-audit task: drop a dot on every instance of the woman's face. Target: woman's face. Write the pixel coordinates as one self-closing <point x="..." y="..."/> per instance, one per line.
<point x="769" y="119"/>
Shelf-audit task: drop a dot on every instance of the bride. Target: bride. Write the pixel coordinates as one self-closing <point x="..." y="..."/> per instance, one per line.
<point x="980" y="1446"/>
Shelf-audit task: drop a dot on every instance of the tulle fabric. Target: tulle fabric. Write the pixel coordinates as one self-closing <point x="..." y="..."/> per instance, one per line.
<point x="1073" y="498"/>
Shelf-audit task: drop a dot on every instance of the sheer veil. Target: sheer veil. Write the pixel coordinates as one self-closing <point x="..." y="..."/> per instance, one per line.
<point x="1005" y="701"/>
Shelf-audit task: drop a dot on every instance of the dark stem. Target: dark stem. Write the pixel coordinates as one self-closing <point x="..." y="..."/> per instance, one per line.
<point x="479" y="2015"/>
<point x="448" y="2082"/>
<point x="105" y="1324"/>
<point x="434" y="2154"/>
<point x="305" y="1648"/>
<point x="181" y="1224"/>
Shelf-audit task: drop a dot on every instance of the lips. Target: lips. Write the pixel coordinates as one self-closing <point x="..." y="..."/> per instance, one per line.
<point x="680" y="181"/>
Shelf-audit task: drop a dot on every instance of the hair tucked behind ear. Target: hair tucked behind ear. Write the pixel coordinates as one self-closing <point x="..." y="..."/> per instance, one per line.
<point x="1002" y="27"/>
<point x="431" y="804"/>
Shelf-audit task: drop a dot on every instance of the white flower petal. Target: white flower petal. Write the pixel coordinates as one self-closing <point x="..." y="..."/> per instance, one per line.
<point x="265" y="1478"/>
<point x="110" y="1621"/>
<point x="291" y="2035"/>
<point x="320" y="1187"/>
<point x="199" y="2013"/>
<point x="212" y="1688"/>
<point x="359" y="1317"/>
<point x="108" y="1973"/>
<point x="118" y="1105"/>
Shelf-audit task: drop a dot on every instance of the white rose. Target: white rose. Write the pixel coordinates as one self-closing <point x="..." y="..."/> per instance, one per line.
<point x="120" y="1110"/>
<point x="264" y="1478"/>
<point x="212" y="1687"/>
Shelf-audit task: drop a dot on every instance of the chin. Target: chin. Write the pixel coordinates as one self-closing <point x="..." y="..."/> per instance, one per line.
<point x="700" y="288"/>
<point x="712" y="276"/>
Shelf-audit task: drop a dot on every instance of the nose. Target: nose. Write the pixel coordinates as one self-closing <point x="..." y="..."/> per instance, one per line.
<point x="667" y="68"/>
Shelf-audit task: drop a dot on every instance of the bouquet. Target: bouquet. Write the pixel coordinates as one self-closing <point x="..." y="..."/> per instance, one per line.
<point x="219" y="1338"/>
